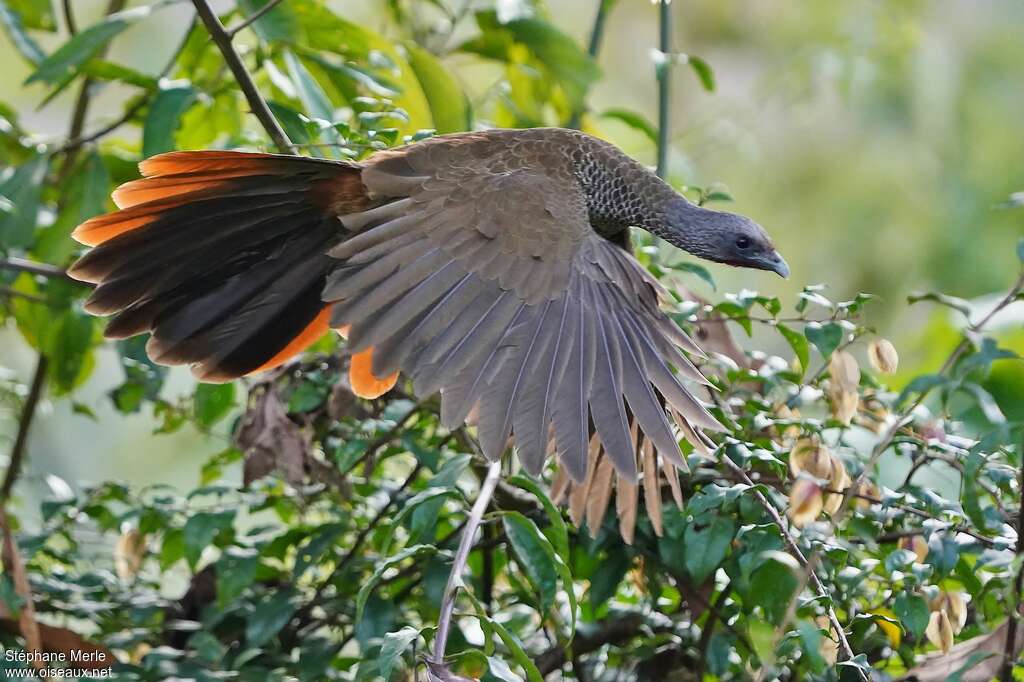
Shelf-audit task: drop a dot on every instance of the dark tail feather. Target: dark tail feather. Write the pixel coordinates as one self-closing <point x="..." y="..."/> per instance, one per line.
<point x="221" y="255"/>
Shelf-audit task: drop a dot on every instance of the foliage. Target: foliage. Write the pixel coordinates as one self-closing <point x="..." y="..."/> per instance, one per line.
<point x="329" y="562"/>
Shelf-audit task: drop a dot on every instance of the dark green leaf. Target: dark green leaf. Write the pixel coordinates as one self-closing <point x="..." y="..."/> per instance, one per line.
<point x="367" y="587"/>
<point x="607" y="575"/>
<point x="22" y="190"/>
<point x="537" y="562"/>
<point x="773" y="584"/>
<point x="236" y="570"/>
<point x="706" y="547"/>
<point x="201" y="530"/>
<point x="164" y="117"/>
<point x="825" y="337"/>
<point x="913" y="612"/>
<point x="268" y="617"/>
<point x="696" y="269"/>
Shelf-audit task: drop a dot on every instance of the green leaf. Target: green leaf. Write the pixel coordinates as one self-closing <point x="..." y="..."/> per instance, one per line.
<point x="164" y="117"/>
<point x="14" y="24"/>
<point x="536" y="560"/>
<point x="773" y="584"/>
<point x="499" y="669"/>
<point x="212" y="402"/>
<point x="411" y="507"/>
<point x="825" y="337"/>
<point x="425" y="515"/>
<point x="268" y="617"/>
<point x="607" y="575"/>
<point x="84" y="46"/>
<point x="394" y="645"/>
<point x="698" y="270"/>
<point x="913" y="612"/>
<point x="202" y="529"/>
<point x="22" y="189"/>
<point x="70" y="340"/>
<point x="367" y="588"/>
<point x="513" y="644"/>
<point x="1020" y="246"/>
<point x="703" y="71"/>
<point x="278" y="24"/>
<point x="109" y="71"/>
<point x="448" y="104"/>
<point x="560" y="530"/>
<point x="635" y="121"/>
<point x="706" y="547"/>
<point x="312" y="96"/>
<point x="36" y="14"/>
<point x="799" y="345"/>
<point x="236" y="570"/>
<point x="85" y="195"/>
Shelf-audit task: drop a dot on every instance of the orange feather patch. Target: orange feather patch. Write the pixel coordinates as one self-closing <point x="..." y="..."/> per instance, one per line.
<point x="313" y="331"/>
<point x="361" y="378"/>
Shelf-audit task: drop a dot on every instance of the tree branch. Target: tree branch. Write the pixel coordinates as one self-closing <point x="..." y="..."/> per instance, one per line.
<point x="41" y="269"/>
<point x="24" y="424"/>
<point x="444" y="621"/>
<point x="256" y="102"/>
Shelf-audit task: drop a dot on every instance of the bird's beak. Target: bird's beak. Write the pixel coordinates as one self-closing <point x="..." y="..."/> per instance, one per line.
<point x="779" y="265"/>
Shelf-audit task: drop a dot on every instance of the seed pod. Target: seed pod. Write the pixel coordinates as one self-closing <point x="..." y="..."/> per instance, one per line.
<point x="940" y="631"/>
<point x="883" y="357"/>
<point x="916" y="544"/>
<point x="805" y="502"/>
<point x="845" y="373"/>
<point x="867" y="489"/>
<point x="838" y="480"/>
<point x="844" y="405"/>
<point x="954" y="605"/>
<point x="129" y="553"/>
<point x="808" y="455"/>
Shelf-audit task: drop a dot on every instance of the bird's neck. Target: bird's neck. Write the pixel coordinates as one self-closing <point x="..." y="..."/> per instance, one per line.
<point x="621" y="193"/>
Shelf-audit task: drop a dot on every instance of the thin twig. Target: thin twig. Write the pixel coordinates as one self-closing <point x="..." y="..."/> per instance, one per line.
<point x="253" y="18"/>
<point x="69" y="18"/>
<point x="256" y="102"/>
<point x="664" y="75"/>
<point x="444" y="622"/>
<point x="24" y="424"/>
<point x="42" y="269"/>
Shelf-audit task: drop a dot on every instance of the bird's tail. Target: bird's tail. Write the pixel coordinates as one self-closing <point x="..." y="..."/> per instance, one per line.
<point x="221" y="255"/>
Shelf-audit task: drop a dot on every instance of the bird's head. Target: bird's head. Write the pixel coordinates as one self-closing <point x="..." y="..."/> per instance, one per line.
<point x="720" y="236"/>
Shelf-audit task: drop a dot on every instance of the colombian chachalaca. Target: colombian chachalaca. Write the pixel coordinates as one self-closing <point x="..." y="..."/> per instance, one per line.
<point x="491" y="266"/>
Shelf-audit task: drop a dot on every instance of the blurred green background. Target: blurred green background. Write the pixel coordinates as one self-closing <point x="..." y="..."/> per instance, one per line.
<point x="872" y="139"/>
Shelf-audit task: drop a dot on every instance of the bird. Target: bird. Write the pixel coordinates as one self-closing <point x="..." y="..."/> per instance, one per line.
<point x="493" y="267"/>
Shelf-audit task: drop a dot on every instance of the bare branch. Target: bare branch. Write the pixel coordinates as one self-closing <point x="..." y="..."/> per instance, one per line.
<point x="234" y="61"/>
<point x="42" y="269"/>
<point x="664" y="74"/>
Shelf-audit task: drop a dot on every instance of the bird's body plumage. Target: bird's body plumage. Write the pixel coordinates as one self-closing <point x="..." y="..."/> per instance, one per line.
<point x="488" y="266"/>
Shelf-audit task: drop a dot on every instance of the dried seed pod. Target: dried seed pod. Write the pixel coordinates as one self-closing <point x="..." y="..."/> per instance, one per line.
<point x="129" y="552"/>
<point x="805" y="502"/>
<point x="844" y="405"/>
<point x="845" y="373"/>
<point x="808" y="455"/>
<point x="940" y="631"/>
<point x="954" y="605"/>
<point x="838" y="480"/>
<point x="867" y="489"/>
<point x="916" y="544"/>
<point x="829" y="643"/>
<point x="883" y="357"/>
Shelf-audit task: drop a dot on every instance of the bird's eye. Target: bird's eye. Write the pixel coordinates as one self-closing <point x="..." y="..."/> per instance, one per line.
<point x="742" y="243"/>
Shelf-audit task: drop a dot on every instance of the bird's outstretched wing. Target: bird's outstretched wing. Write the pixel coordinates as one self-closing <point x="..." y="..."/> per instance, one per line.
<point x="481" y="277"/>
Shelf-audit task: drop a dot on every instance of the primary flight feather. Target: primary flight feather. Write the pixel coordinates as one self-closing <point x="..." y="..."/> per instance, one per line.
<point x="491" y="266"/>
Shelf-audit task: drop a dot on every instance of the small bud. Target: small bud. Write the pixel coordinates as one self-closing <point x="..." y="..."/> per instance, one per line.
<point x="808" y="455"/>
<point x="916" y="544"/>
<point x="954" y="605"/>
<point x="845" y="373"/>
<point x="883" y="357"/>
<point x="805" y="502"/>
<point x="940" y="631"/>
